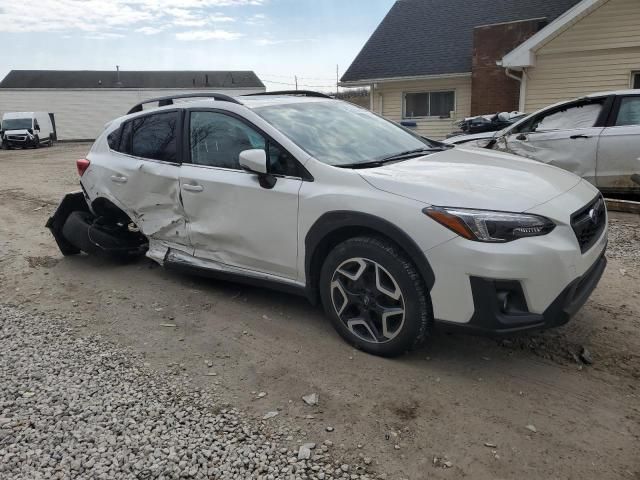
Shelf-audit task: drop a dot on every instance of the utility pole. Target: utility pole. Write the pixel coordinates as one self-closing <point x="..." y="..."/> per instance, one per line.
<point x="337" y="80"/>
<point x="296" y="77"/>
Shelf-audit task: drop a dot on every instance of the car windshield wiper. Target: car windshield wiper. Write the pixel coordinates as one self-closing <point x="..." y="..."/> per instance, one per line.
<point x="392" y="158"/>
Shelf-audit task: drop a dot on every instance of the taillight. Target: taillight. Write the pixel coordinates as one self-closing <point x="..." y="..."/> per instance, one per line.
<point x="82" y="165"/>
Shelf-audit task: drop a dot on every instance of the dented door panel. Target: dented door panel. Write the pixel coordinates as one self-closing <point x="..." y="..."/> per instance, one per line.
<point x="234" y="221"/>
<point x="147" y="190"/>
<point x="572" y="150"/>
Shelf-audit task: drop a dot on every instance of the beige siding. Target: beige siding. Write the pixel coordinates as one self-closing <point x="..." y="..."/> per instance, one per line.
<point x="615" y="24"/>
<point x="598" y="53"/>
<point x="390" y="97"/>
<point x="82" y="114"/>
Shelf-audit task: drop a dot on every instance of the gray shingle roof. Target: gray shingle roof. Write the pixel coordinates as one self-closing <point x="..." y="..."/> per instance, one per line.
<point x="434" y="37"/>
<point x="129" y="79"/>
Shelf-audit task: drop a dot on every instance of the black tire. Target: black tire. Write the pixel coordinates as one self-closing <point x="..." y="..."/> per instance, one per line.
<point x="81" y="230"/>
<point x="400" y="273"/>
<point x="36" y="142"/>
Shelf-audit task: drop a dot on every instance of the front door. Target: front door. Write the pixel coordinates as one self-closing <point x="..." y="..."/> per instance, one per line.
<point x="619" y="148"/>
<point x="565" y="137"/>
<point x="232" y="219"/>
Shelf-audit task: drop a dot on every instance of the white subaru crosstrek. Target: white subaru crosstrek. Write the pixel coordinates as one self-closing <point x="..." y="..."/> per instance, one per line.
<point x="393" y="233"/>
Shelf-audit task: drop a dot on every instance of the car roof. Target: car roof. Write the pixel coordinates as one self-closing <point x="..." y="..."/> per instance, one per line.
<point x="613" y="92"/>
<point x="249" y="101"/>
<point x="255" y="101"/>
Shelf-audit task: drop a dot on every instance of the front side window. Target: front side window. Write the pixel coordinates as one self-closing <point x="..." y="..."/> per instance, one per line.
<point x="583" y="115"/>
<point x="339" y="133"/>
<point x="154" y="136"/>
<point x="629" y="113"/>
<point x="429" y="104"/>
<point x="218" y="139"/>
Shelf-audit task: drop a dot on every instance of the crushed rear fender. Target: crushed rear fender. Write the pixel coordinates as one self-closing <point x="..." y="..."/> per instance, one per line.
<point x="72" y="202"/>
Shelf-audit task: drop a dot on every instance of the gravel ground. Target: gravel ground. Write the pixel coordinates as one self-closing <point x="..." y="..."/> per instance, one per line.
<point x="624" y="240"/>
<point x="80" y="407"/>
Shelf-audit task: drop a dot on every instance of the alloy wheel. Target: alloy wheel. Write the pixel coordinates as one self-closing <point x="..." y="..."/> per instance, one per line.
<point x="368" y="300"/>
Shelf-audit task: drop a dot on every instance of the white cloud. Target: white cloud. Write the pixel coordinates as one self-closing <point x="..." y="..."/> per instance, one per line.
<point x="257" y="19"/>
<point x="208" y="35"/>
<point x="263" y="42"/>
<point x="149" y="30"/>
<point x="114" y="17"/>
<point x="219" y="17"/>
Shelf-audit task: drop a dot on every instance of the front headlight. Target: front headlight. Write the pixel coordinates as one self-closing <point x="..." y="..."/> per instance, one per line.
<point x="488" y="226"/>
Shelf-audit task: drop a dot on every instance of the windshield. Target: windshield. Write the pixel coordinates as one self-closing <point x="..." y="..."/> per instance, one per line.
<point x="338" y="133"/>
<point x="16" y="124"/>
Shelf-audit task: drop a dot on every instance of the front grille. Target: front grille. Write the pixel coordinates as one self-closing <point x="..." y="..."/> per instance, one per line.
<point x="18" y="138"/>
<point x="589" y="222"/>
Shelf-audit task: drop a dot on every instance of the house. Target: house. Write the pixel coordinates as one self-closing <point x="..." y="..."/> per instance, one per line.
<point x="82" y="102"/>
<point x="431" y="63"/>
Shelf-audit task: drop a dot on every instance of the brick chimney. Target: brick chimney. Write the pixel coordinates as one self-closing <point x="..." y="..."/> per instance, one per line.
<point x="491" y="90"/>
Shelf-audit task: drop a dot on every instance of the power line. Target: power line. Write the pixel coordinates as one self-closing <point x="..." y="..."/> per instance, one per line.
<point x="300" y="78"/>
<point x="293" y="84"/>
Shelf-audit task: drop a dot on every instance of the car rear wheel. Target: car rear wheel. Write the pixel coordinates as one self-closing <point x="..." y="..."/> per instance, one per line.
<point x="375" y="297"/>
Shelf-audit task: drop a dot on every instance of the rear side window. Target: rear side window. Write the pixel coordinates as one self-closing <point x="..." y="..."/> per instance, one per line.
<point x="113" y="139"/>
<point x="629" y="113"/>
<point x="154" y="136"/>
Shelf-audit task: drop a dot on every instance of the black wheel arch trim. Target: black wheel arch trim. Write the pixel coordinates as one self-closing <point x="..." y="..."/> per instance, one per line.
<point x="320" y="234"/>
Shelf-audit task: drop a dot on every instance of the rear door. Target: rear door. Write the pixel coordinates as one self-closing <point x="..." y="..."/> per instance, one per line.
<point x="141" y="174"/>
<point x="233" y="220"/>
<point x="619" y="147"/>
<point x="566" y="137"/>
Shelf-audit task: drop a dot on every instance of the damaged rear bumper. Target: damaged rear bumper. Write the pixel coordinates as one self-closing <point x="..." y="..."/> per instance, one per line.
<point x="77" y="229"/>
<point x="72" y="202"/>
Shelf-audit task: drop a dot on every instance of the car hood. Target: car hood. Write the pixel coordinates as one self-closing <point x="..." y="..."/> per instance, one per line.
<point x="473" y="178"/>
<point x="16" y="132"/>
<point x="467" y="138"/>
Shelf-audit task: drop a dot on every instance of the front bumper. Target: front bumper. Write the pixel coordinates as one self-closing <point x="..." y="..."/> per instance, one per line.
<point x="489" y="318"/>
<point x="551" y="273"/>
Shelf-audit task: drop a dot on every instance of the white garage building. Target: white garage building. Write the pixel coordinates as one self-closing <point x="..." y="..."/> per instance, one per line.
<point x="82" y="102"/>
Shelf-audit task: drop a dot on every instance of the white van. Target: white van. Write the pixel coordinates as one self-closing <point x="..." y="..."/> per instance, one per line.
<point x="26" y="129"/>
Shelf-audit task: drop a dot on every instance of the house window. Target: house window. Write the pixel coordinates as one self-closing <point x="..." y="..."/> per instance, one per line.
<point x="429" y="104"/>
<point x="635" y="80"/>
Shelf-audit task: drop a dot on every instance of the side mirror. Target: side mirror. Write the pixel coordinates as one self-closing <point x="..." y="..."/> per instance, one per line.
<point x="255" y="161"/>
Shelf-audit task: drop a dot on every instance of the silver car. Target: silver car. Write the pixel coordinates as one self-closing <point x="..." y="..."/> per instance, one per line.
<point x="596" y="137"/>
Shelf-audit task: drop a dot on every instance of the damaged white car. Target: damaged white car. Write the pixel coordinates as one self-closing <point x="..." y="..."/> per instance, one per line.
<point x="596" y="137"/>
<point x="391" y="232"/>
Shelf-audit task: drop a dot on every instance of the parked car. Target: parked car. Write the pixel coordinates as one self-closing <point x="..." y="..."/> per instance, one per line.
<point x="26" y="129"/>
<point x="389" y="231"/>
<point x="487" y="123"/>
<point x="596" y="137"/>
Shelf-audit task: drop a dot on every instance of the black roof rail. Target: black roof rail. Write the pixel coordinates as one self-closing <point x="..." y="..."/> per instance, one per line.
<point x="300" y="93"/>
<point x="164" y="101"/>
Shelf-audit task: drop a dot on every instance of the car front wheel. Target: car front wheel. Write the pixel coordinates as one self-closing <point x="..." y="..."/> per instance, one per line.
<point x="375" y="297"/>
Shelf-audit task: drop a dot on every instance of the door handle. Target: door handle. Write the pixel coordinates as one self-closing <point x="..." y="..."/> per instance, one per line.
<point x="192" y="188"/>
<point x="118" y="179"/>
<point x="573" y="137"/>
<point x="522" y="136"/>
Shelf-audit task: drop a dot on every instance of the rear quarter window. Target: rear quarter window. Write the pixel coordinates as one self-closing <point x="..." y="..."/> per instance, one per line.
<point x="154" y="136"/>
